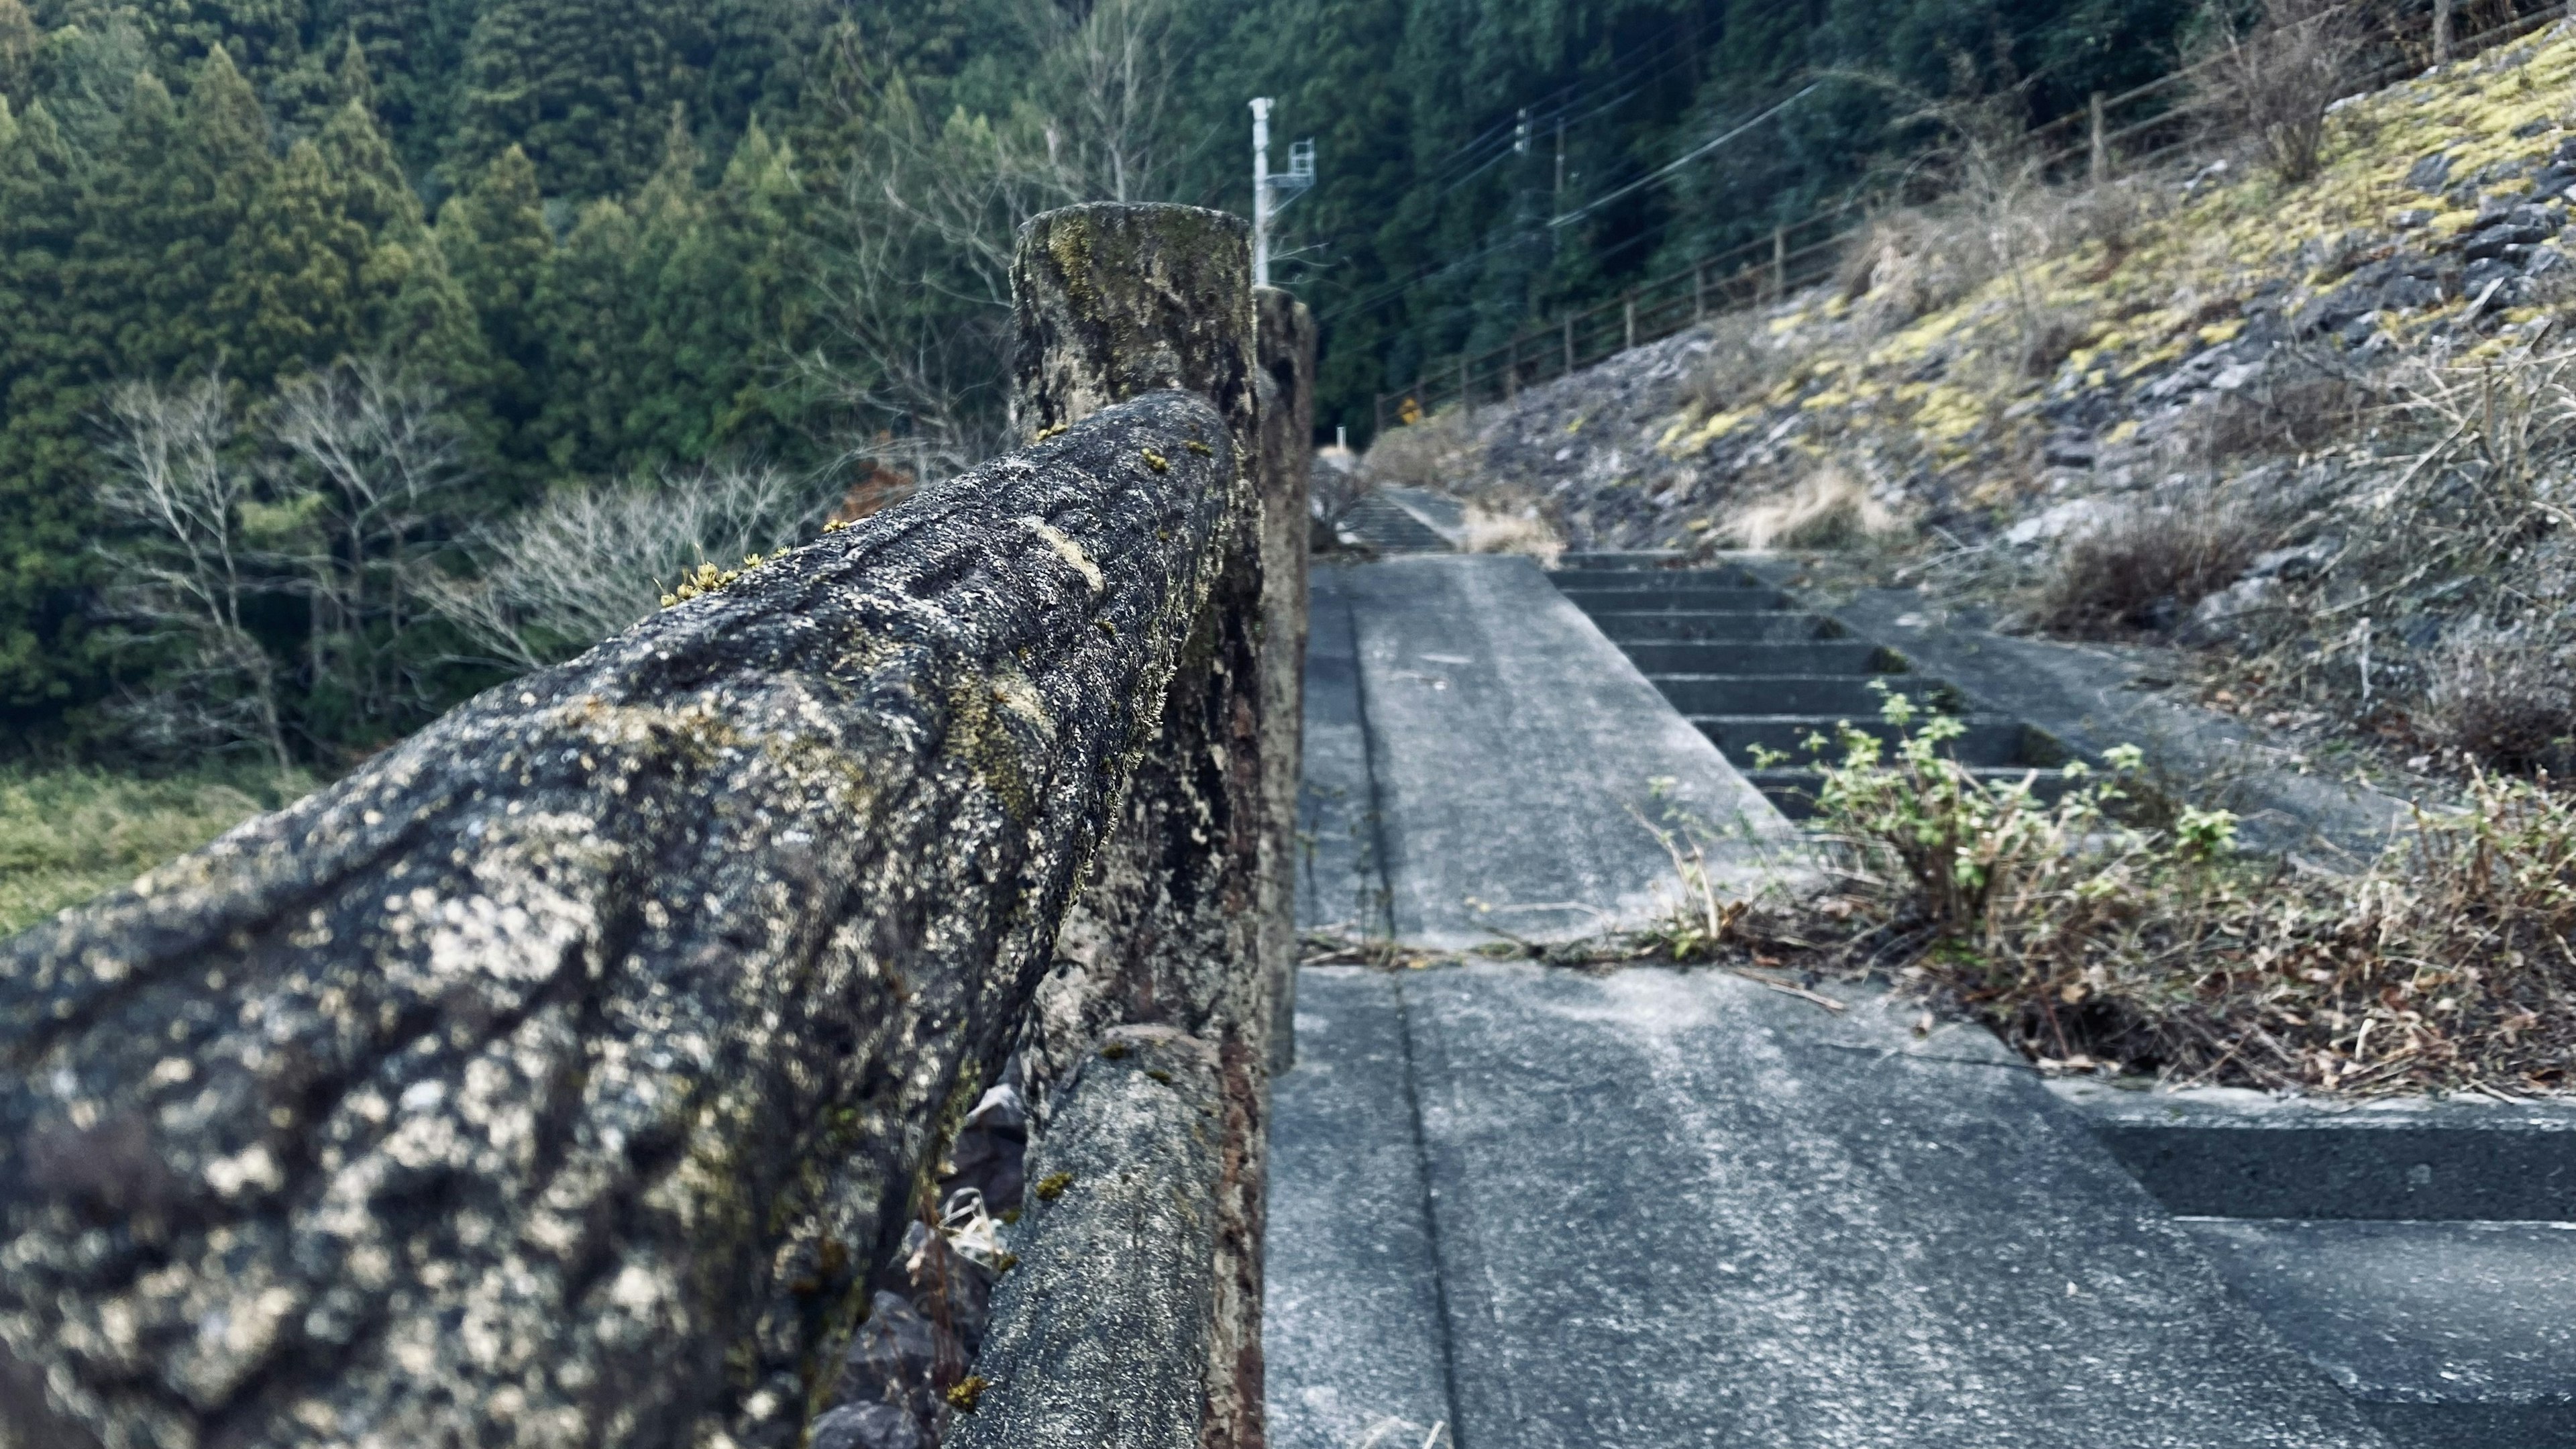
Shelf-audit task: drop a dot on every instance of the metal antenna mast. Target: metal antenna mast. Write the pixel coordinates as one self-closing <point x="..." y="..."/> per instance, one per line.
<point x="1272" y="193"/>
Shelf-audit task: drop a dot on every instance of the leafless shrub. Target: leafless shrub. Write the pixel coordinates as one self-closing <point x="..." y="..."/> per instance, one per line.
<point x="366" y="463"/>
<point x="2269" y="83"/>
<point x="919" y="235"/>
<point x="1334" y="485"/>
<point x="587" y="562"/>
<point x="1829" y="508"/>
<point x="2144" y="568"/>
<point x="1910" y="263"/>
<point x="183" y="577"/>
<point x="2503" y="699"/>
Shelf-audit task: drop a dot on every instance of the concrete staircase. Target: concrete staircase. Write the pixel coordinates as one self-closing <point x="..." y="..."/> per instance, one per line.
<point x="1381" y="525"/>
<point x="1761" y="676"/>
<point x="2421" y="1253"/>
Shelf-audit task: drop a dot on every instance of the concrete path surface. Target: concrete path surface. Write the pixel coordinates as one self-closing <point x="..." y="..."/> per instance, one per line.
<point x="1515" y="1206"/>
<point x="1653" y="1207"/>
<point x="1485" y="762"/>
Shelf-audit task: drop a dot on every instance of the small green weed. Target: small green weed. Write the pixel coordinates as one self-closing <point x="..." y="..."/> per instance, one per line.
<point x="2093" y="944"/>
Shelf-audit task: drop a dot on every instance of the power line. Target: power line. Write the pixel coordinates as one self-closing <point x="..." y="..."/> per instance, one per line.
<point x="1678" y="162"/>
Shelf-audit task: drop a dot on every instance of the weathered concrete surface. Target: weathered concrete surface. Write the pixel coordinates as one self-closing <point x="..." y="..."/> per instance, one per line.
<point x="2420" y="1313"/>
<point x="1514" y="750"/>
<point x="1286" y="348"/>
<point x="2228" y="1152"/>
<point x="2089" y="697"/>
<point x="1111" y="1289"/>
<point x="556" y="1077"/>
<point x="1341" y="889"/>
<point x="1680" y="1208"/>
<point x="1357" y="1348"/>
<point x="1172" y="927"/>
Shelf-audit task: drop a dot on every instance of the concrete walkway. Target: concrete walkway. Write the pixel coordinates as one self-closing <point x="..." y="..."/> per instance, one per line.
<point x="1516" y="1205"/>
<point x="1482" y="763"/>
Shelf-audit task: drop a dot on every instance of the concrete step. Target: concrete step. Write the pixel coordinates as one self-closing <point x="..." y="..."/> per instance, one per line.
<point x="1990" y="740"/>
<point x="1615" y="559"/>
<point x="1387" y="528"/>
<point x="1722" y="598"/>
<point x="1833" y="695"/>
<point x="2224" y="1153"/>
<point x="1649" y="579"/>
<point x="1625" y="629"/>
<point x="2450" y="1334"/>
<point x="1768" y="656"/>
<point x="1793" y="788"/>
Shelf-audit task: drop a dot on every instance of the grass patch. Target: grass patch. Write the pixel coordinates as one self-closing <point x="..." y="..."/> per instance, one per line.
<point x="68" y="834"/>
<point x="2095" y="944"/>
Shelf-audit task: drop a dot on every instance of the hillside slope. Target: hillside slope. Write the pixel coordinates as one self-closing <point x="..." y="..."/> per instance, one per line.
<point x="2318" y="436"/>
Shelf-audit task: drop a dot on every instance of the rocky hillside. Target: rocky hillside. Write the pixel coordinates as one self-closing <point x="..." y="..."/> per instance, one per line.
<point x="2315" y="436"/>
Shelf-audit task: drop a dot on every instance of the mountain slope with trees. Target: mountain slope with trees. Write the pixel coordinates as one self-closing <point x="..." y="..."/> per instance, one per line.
<point x="575" y="245"/>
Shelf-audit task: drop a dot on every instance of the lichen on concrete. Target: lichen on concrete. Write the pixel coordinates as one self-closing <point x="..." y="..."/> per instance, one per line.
<point x="550" y="1079"/>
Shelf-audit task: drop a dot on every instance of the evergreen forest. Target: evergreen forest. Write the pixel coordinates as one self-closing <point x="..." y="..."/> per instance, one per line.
<point x="355" y="354"/>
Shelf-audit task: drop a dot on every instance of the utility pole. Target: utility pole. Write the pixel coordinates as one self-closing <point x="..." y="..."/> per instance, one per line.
<point x="1261" y="191"/>
<point x="1272" y="193"/>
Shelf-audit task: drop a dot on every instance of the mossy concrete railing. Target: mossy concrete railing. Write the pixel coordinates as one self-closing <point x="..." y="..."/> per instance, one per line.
<point x="559" y="1077"/>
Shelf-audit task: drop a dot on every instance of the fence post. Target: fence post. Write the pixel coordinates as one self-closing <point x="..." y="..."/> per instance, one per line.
<point x="2100" y="169"/>
<point x="1779" y="263"/>
<point x="1286" y="346"/>
<point x="1512" y="367"/>
<point x="1699" y="291"/>
<point x="1569" y="344"/>
<point x="2442" y="31"/>
<point x="1628" y="311"/>
<point x="1115" y="300"/>
<point x="1463" y="400"/>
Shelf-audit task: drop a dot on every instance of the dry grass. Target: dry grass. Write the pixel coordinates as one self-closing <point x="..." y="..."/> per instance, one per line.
<point x="2095" y="946"/>
<point x="2144" y="568"/>
<point x="2502" y="698"/>
<point x="67" y="835"/>
<point x="2280" y="417"/>
<point x="1495" y="526"/>
<point x="1829" y="508"/>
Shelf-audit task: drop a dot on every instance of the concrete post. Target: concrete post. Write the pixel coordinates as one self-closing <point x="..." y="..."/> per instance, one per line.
<point x="1173" y="931"/>
<point x="2099" y="170"/>
<point x="1286" y="353"/>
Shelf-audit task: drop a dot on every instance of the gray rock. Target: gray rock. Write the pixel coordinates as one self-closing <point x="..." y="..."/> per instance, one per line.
<point x="866" y="1426"/>
<point x="2431" y="173"/>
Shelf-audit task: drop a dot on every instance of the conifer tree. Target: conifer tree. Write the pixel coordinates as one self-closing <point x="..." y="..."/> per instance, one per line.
<point x="493" y="236"/>
<point x="50" y="350"/>
<point x="581" y="85"/>
<point x="293" y="300"/>
<point x="19" y="38"/>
